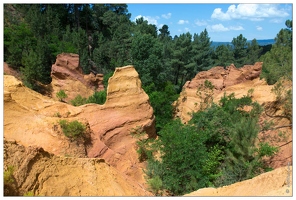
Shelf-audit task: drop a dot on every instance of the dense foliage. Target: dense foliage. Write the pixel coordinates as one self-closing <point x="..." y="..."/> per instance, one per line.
<point x="35" y="33"/>
<point x="216" y="148"/>
<point x="277" y="62"/>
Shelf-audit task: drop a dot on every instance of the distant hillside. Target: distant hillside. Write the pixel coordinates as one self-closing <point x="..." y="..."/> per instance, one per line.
<point x="266" y="42"/>
<point x="260" y="42"/>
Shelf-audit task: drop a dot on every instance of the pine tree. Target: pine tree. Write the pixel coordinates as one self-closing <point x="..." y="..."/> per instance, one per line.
<point x="182" y="62"/>
<point x="278" y="62"/>
<point x="253" y="52"/>
<point x="202" y="51"/>
<point x="223" y="55"/>
<point x="239" y="50"/>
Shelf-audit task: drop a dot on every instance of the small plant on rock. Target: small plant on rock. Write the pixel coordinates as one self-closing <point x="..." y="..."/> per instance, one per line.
<point x="72" y="129"/>
<point x="250" y="92"/>
<point x="8" y="175"/>
<point x="205" y="93"/>
<point x="10" y="188"/>
<point x="61" y="95"/>
<point x="29" y="194"/>
<point x="57" y="114"/>
<point x="155" y="185"/>
<point x="78" y="100"/>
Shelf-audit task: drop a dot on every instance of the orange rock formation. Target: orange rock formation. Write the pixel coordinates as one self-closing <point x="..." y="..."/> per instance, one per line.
<point x="67" y="75"/>
<point x="240" y="81"/>
<point x="45" y="174"/>
<point x="31" y="119"/>
<point x="220" y="78"/>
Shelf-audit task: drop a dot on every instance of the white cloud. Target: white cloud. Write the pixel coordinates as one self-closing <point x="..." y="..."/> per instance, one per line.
<point x="218" y="14"/>
<point x="222" y="28"/>
<point x="254" y="12"/>
<point x="151" y="20"/>
<point x="257" y="19"/>
<point x="181" y="21"/>
<point x="167" y="16"/>
<point x="277" y="21"/>
<point x="200" y="22"/>
<point x="236" y="28"/>
<point x="186" y="29"/>
<point x="217" y="28"/>
<point x="259" y="28"/>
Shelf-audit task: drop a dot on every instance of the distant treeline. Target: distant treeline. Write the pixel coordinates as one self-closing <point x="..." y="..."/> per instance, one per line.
<point x="103" y="33"/>
<point x="262" y="43"/>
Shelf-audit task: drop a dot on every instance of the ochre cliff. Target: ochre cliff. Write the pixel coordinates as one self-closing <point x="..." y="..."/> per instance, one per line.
<point x="220" y="78"/>
<point x="240" y="81"/>
<point x="44" y="174"/>
<point x="127" y="107"/>
<point x="31" y="119"/>
<point x="67" y="75"/>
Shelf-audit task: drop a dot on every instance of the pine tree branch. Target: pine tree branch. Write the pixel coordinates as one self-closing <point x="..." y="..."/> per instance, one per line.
<point x="276" y="127"/>
<point x="273" y="116"/>
<point x="285" y="143"/>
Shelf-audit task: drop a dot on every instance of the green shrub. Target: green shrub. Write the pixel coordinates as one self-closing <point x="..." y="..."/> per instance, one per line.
<point x="183" y="155"/>
<point x="106" y="79"/>
<point x="266" y="150"/>
<point x="155" y="185"/>
<point x="288" y="105"/>
<point x="10" y="185"/>
<point x="205" y="93"/>
<point x="78" y="101"/>
<point x="145" y="149"/>
<point x="72" y="129"/>
<point x="283" y="98"/>
<point x="29" y="194"/>
<point x="61" y="95"/>
<point x="250" y="92"/>
<point x="57" y="114"/>
<point x="279" y="89"/>
<point x="8" y="175"/>
<point x="98" y="97"/>
<point x="161" y="101"/>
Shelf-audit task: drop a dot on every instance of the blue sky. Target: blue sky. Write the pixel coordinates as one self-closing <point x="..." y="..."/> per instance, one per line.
<point x="222" y="21"/>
